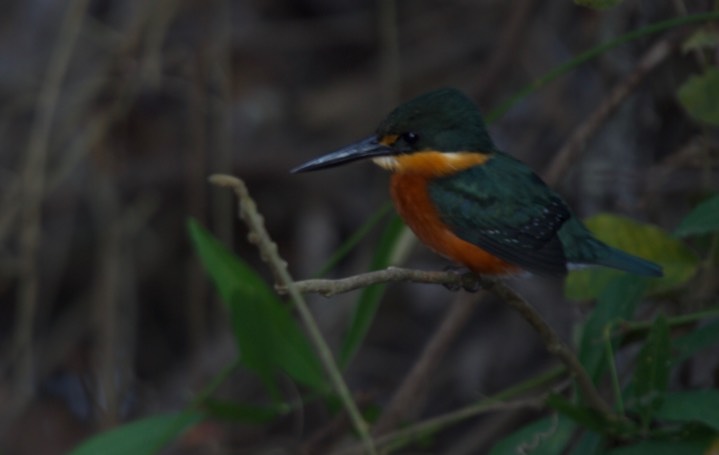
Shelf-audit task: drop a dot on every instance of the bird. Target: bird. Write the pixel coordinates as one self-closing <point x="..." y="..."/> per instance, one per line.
<point x="469" y="201"/>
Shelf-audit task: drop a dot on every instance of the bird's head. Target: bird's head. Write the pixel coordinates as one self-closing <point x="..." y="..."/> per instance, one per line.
<point x="440" y="126"/>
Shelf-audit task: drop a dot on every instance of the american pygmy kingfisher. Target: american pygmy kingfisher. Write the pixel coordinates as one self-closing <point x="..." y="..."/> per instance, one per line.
<point x="471" y="202"/>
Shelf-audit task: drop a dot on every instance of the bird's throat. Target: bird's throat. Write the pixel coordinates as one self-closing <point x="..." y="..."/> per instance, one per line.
<point x="432" y="163"/>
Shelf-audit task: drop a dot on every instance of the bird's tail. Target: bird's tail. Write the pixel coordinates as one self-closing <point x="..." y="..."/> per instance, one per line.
<point x="618" y="259"/>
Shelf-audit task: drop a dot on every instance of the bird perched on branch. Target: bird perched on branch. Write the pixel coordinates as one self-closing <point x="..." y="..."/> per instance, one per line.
<point x="470" y="202"/>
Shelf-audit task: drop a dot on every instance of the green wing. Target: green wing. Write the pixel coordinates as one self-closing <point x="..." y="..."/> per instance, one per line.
<point x="507" y="210"/>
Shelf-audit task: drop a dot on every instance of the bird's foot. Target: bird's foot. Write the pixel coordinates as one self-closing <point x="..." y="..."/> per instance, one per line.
<point x="467" y="280"/>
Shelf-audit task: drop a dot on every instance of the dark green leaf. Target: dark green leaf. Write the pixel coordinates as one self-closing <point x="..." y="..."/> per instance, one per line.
<point x="703" y="219"/>
<point x="700" y="338"/>
<point x="644" y="240"/>
<point x="700" y="96"/>
<point x="590" y="419"/>
<point x="268" y="337"/>
<point x="598" y="4"/>
<point x="617" y="302"/>
<point x="585" y="417"/>
<point x="682" y="447"/>
<point x="651" y="375"/>
<point x="240" y="412"/>
<point x="589" y="444"/>
<point x="703" y="38"/>
<point x="547" y="436"/>
<point x="371" y="295"/>
<point x="144" y="436"/>
<point x="692" y="406"/>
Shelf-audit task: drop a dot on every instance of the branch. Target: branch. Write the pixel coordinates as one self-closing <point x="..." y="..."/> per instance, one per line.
<point x="575" y="144"/>
<point x="268" y="251"/>
<point x="329" y="288"/>
<point x="552" y="341"/>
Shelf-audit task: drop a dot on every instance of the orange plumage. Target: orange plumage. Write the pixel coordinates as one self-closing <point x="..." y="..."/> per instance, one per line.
<point x="408" y="189"/>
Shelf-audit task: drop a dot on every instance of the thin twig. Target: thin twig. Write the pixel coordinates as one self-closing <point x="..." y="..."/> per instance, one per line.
<point x="499" y="402"/>
<point x="269" y="253"/>
<point x="551" y="340"/>
<point x="505" y="51"/>
<point x="33" y="193"/>
<point x="575" y="144"/>
<point x="402" y="437"/>
<point x="329" y="288"/>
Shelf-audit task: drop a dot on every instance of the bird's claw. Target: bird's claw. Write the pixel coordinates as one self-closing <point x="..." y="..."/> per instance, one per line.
<point x="466" y="279"/>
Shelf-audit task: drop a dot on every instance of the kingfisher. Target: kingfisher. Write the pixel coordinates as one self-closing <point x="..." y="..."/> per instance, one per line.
<point x="469" y="201"/>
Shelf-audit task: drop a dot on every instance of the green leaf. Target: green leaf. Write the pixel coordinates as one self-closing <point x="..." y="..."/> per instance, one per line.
<point x="590" y="443"/>
<point x="617" y="302"/>
<point x="240" y="412"/>
<point x="547" y="436"/>
<point x="268" y="337"/>
<point x="702" y="38"/>
<point x="682" y="447"/>
<point x="598" y="4"/>
<point x="144" y="436"/>
<point x="369" y="299"/>
<point x="651" y="376"/>
<point x="644" y="240"/>
<point x="700" y="338"/>
<point x="704" y="219"/>
<point x="590" y="419"/>
<point x="692" y="406"/>
<point x="700" y="96"/>
<point x="583" y="416"/>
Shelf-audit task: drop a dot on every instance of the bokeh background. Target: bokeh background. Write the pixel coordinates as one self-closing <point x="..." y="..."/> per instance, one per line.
<point x="114" y="113"/>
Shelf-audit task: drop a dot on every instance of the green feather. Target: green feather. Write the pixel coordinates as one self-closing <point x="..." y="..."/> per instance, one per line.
<point x="443" y="119"/>
<point x="504" y="208"/>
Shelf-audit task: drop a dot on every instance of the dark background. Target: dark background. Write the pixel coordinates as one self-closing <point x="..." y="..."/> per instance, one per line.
<point x="106" y="315"/>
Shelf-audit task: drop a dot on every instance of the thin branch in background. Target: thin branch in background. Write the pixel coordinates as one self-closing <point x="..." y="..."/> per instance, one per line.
<point x="410" y="395"/>
<point x="505" y="52"/>
<point x="389" y="56"/>
<point x="268" y="251"/>
<point x="218" y="78"/>
<point x="108" y="325"/>
<point x="328" y="288"/>
<point x="33" y="194"/>
<point x="574" y="146"/>
<point x="504" y="401"/>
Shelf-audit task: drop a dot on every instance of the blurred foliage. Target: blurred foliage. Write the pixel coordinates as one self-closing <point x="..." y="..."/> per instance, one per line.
<point x="700" y="96"/>
<point x="704" y="219"/>
<point x="598" y="4"/>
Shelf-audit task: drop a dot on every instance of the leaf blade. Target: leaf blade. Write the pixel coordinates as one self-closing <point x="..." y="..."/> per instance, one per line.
<point x="267" y="335"/>
<point x="703" y="219"/>
<point x="143" y="436"/>
<point x="651" y="376"/>
<point x="699" y="95"/>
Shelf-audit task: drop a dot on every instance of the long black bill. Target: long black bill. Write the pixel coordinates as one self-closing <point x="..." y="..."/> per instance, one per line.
<point x="366" y="148"/>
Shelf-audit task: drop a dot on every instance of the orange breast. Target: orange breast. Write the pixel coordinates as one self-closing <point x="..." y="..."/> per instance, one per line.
<point x="409" y="192"/>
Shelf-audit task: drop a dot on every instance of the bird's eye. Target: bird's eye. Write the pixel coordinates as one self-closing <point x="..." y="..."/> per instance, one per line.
<point x="410" y="138"/>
